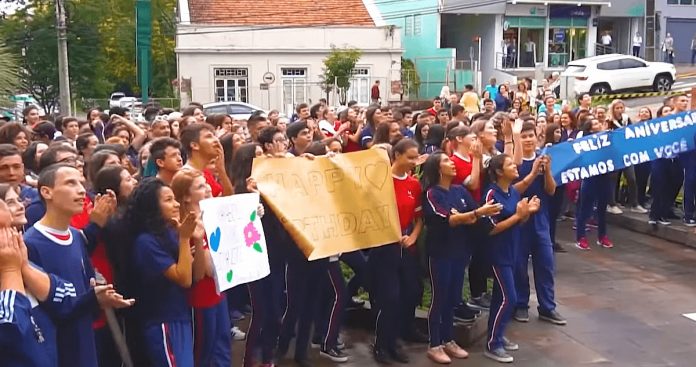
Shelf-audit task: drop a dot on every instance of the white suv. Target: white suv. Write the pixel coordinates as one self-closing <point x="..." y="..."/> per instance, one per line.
<point x="609" y="73"/>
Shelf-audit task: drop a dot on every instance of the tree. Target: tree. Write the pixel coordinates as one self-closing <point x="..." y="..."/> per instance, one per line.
<point x="338" y="70"/>
<point x="31" y="32"/>
<point x="9" y="73"/>
<point x="409" y="78"/>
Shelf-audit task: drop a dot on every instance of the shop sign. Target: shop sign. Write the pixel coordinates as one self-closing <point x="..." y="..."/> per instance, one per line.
<point x="525" y="10"/>
<point x="559" y="35"/>
<point x="570" y="11"/>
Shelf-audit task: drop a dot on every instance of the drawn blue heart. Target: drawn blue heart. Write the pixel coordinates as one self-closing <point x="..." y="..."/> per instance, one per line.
<point x="215" y="240"/>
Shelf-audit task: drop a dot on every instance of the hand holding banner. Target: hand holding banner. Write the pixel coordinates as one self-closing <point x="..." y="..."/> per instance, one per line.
<point x="332" y="205"/>
<point x="236" y="239"/>
<point x="607" y="151"/>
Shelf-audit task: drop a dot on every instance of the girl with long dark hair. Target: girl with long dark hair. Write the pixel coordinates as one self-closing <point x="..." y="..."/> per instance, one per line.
<point x="449" y="211"/>
<point x="161" y="272"/>
<point x="504" y="241"/>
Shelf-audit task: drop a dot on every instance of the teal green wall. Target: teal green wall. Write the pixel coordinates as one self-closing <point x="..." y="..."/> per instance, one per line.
<point x="422" y="48"/>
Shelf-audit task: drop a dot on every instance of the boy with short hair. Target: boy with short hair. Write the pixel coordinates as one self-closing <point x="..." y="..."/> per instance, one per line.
<point x="60" y="249"/>
<point x="535" y="232"/>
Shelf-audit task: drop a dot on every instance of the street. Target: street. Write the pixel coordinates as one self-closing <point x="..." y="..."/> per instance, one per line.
<point x="624" y="307"/>
<point x="686" y="79"/>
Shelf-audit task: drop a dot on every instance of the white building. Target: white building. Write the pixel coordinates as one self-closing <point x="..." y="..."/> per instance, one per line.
<point x="270" y="53"/>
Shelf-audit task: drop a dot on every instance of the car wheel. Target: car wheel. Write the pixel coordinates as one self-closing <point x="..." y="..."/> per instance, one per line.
<point x="662" y="83"/>
<point x="599" y="89"/>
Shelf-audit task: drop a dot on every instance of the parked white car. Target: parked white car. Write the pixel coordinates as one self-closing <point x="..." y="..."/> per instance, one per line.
<point x="115" y="98"/>
<point x="610" y="73"/>
<point x="236" y="110"/>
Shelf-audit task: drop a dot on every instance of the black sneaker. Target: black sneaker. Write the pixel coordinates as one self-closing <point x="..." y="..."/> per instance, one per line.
<point x="664" y="221"/>
<point x="465" y="307"/>
<point x="509" y="345"/>
<point x="334" y="354"/>
<point x="465" y="315"/>
<point x="398" y="355"/>
<point x="498" y="355"/>
<point x="380" y="355"/>
<point x="316" y="343"/>
<point x="355" y="303"/>
<point x="521" y="315"/>
<point x="553" y="317"/>
<point x="558" y="248"/>
<point x="340" y="345"/>
<point x="479" y="303"/>
<point x="416" y="336"/>
<point x="689" y="222"/>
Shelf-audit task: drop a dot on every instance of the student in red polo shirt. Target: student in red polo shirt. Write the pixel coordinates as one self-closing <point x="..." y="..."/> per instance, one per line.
<point x="211" y="314"/>
<point x="393" y="268"/>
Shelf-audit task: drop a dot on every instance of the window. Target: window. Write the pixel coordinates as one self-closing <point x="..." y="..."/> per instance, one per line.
<point x="609" y="65"/>
<point x="294" y="84"/>
<point x="235" y="109"/>
<point x="412" y="25"/>
<point x="360" y="85"/>
<point x="681" y="2"/>
<point x="216" y="109"/>
<point x="408" y="25"/>
<point x="231" y="84"/>
<point x="631" y="64"/>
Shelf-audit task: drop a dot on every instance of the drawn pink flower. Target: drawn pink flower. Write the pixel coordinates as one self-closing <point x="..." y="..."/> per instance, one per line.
<point x="251" y="235"/>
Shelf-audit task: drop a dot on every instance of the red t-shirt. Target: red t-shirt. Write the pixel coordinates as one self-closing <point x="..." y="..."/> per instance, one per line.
<point x="101" y="264"/>
<point x="408" y="200"/>
<point x="80" y="221"/>
<point x="351" y="146"/>
<point x="215" y="186"/>
<point x="203" y="293"/>
<point x="464" y="167"/>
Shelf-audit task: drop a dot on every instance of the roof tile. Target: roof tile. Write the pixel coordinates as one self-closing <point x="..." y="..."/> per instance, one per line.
<point x="277" y="12"/>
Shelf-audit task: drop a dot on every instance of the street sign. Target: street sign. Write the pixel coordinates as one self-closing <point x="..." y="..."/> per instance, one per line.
<point x="263" y="86"/>
<point x="268" y="78"/>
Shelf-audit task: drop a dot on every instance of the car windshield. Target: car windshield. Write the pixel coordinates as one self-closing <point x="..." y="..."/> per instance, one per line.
<point x="575" y="69"/>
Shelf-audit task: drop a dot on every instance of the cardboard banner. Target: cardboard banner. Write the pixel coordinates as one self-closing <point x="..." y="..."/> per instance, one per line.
<point x="236" y="239"/>
<point x="332" y="205"/>
<point x="607" y="151"/>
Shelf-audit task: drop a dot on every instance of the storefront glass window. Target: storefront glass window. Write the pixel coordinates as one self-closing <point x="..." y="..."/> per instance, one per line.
<point x="566" y="44"/>
<point x="523" y="42"/>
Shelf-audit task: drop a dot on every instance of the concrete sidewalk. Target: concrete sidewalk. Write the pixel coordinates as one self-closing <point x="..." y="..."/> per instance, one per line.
<point x="685" y="70"/>
<point x="676" y="232"/>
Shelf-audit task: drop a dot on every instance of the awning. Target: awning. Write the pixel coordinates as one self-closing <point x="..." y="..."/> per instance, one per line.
<point x="563" y="2"/>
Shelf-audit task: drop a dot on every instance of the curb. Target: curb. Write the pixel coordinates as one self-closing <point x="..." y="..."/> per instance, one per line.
<point x="676" y="232"/>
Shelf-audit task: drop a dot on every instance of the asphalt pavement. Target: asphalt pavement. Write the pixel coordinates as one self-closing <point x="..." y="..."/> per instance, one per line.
<point x="625" y="307"/>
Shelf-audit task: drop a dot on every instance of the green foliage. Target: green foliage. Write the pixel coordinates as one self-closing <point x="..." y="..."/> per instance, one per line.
<point x="101" y="47"/>
<point x="9" y="72"/>
<point x="338" y="70"/>
<point x="409" y="77"/>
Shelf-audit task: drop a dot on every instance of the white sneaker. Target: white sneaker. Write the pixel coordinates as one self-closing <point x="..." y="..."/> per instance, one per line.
<point x="237" y="334"/>
<point x="639" y="209"/>
<point x="614" y="210"/>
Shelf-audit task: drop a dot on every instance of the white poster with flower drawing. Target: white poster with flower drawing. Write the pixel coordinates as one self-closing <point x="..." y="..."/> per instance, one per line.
<point x="236" y="239"/>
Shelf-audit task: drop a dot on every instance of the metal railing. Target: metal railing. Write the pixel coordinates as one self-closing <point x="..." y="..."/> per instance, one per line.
<point x="601" y="49"/>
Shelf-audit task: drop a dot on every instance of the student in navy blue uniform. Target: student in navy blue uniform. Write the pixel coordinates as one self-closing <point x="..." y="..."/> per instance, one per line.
<point x="161" y="268"/>
<point x="449" y="211"/>
<point x="61" y="250"/>
<point x="373" y="117"/>
<point x="594" y="198"/>
<point x="265" y="294"/>
<point x="536" y="240"/>
<point x="504" y="245"/>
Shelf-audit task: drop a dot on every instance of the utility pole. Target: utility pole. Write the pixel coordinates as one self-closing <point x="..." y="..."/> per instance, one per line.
<point x="63" y="72"/>
<point x="143" y="42"/>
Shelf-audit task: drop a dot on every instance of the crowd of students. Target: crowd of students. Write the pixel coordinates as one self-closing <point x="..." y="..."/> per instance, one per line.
<point x="110" y="216"/>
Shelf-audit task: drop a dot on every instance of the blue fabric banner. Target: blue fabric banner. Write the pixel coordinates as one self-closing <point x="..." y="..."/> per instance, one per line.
<point x="608" y="151"/>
